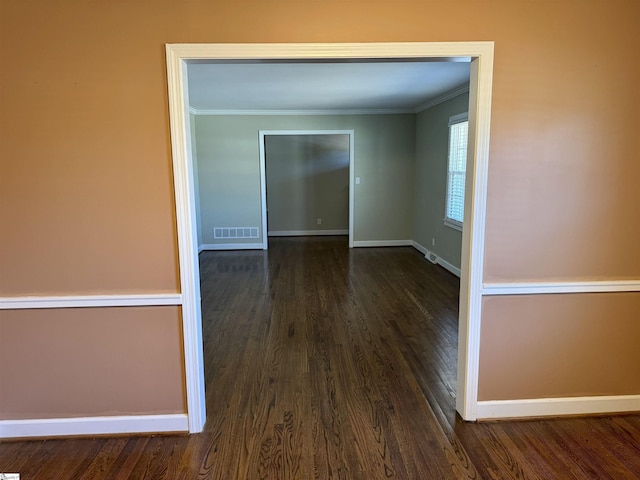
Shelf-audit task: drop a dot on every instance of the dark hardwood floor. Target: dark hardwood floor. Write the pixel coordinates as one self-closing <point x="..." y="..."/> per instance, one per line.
<point x="325" y="363"/>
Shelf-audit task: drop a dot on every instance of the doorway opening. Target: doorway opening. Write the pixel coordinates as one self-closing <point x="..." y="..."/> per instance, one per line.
<point x="480" y="55"/>
<point x="306" y="178"/>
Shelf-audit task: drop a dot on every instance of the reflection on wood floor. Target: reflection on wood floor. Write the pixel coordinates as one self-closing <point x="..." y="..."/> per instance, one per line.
<point x="326" y="363"/>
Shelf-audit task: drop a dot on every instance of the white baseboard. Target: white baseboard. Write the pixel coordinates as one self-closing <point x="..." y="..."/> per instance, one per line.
<point x="545" y="407"/>
<point x="536" y="288"/>
<point x="78" y="301"/>
<point x="305" y="233"/>
<point x="434" y="258"/>
<point x="230" y="246"/>
<point x="420" y="248"/>
<point x="62" y="427"/>
<point x="383" y="243"/>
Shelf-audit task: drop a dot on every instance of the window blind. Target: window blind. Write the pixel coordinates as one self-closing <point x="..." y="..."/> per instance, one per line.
<point x="457" y="165"/>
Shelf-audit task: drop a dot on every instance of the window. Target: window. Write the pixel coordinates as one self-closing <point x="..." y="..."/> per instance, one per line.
<point x="457" y="165"/>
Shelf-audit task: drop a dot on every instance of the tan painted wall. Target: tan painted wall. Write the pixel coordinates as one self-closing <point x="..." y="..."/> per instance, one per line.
<point x="537" y="346"/>
<point x="88" y="361"/>
<point x="86" y="201"/>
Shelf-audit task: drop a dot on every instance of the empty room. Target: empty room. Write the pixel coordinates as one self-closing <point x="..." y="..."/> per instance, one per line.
<point x="151" y="327"/>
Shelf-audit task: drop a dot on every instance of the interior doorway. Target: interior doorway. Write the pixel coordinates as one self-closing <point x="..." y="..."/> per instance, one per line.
<point x="307" y="182"/>
<point x="480" y="54"/>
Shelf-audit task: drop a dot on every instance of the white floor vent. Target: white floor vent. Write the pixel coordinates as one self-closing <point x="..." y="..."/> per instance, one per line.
<point x="432" y="257"/>
<point x="236" y="232"/>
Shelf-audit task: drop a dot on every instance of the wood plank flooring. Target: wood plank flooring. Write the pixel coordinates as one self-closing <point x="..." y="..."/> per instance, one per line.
<point x="325" y="363"/>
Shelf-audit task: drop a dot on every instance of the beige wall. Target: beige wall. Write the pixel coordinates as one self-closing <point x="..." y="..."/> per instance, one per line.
<point x="568" y="353"/>
<point x="86" y="199"/>
<point x="307" y="180"/>
<point x="229" y="173"/>
<point x="90" y="362"/>
<point x="432" y="152"/>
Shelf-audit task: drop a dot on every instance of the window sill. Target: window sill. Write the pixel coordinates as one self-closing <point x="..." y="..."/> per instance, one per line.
<point x="453" y="224"/>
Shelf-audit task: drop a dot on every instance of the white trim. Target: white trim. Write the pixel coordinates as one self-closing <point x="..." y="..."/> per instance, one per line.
<point x="458" y="118"/>
<point x="184" y="189"/>
<point x="78" y="301"/>
<point x="231" y="246"/>
<point x="263" y="190"/>
<point x="307" y="132"/>
<point x="419" y="247"/>
<point x="61" y="427"/>
<point x="544" y="407"/>
<point x="481" y="78"/>
<point x="305" y="233"/>
<point x="352" y="187"/>
<point x="473" y="234"/>
<point x="449" y="266"/>
<point x="442" y="98"/>
<point x="537" y="288"/>
<point x="441" y="261"/>
<point x="263" y="161"/>
<point x="361" y="111"/>
<point x="383" y="243"/>
<point x="451" y="223"/>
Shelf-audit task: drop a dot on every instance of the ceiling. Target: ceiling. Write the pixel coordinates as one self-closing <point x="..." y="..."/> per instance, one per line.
<point x="294" y="86"/>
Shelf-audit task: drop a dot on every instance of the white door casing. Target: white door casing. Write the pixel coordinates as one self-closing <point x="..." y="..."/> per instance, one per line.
<point x="263" y="168"/>
<point x="481" y="56"/>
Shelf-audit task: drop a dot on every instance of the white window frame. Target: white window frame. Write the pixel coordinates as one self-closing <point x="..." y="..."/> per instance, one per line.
<point x="453" y="120"/>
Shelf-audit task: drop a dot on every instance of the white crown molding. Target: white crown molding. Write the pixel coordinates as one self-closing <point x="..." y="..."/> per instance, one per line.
<point x="84" y="301"/>
<point x="442" y="98"/>
<point x="116" y="425"/>
<point x="544" y="407"/>
<point x="305" y="233"/>
<point x="362" y="111"/>
<point x="537" y="288"/>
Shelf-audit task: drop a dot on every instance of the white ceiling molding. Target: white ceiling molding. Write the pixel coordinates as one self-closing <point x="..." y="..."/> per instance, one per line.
<point x="442" y="98"/>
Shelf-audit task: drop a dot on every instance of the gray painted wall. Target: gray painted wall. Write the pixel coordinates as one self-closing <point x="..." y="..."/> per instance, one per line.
<point x="307" y="180"/>
<point x="229" y="170"/>
<point x="432" y="138"/>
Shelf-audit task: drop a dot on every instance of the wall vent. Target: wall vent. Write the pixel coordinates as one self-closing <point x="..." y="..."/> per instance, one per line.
<point x="236" y="232"/>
